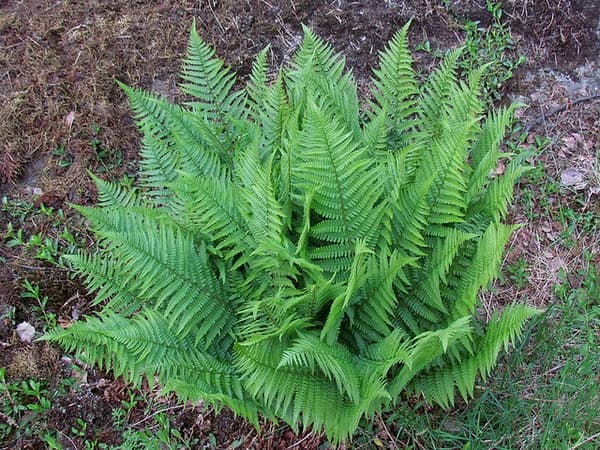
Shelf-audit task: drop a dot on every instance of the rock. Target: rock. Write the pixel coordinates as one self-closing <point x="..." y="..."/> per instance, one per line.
<point x="33" y="190"/>
<point x="25" y="331"/>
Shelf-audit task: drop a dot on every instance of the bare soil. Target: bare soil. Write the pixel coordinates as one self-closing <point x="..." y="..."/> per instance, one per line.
<point x="58" y="65"/>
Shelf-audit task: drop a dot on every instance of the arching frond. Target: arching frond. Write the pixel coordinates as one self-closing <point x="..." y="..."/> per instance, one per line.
<point x="427" y="347"/>
<point x="194" y="140"/>
<point x="482" y="269"/>
<point x="317" y="70"/>
<point x="257" y="86"/>
<point x="209" y="82"/>
<point x="347" y="191"/>
<point x="114" y="194"/>
<point x="334" y="361"/>
<point x="395" y="85"/>
<point x="439" y="383"/>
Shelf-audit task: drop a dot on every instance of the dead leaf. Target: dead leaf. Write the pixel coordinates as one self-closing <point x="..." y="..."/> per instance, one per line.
<point x="69" y="118"/>
<point x="500" y="168"/>
<point x="26" y="332"/>
<point x="588" y="144"/>
<point x="570" y="143"/>
<point x="572" y="178"/>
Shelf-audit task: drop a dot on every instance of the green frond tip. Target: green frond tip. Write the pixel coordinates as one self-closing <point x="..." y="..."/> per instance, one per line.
<point x="295" y="256"/>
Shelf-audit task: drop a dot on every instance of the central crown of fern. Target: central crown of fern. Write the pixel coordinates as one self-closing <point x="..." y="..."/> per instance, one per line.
<point x="291" y="254"/>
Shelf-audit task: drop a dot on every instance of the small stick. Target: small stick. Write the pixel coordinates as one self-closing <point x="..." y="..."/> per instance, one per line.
<point x="558" y="110"/>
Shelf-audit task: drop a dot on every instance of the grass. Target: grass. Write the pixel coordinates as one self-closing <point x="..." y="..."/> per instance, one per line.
<point x="544" y="394"/>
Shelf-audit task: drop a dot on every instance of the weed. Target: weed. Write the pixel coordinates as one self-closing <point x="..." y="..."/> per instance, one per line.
<point x="17" y="209"/>
<point x="518" y="273"/>
<point x="493" y="46"/>
<point x="157" y="434"/>
<point x="80" y="428"/>
<point x="23" y="404"/>
<point x="56" y="235"/>
<point x="109" y="159"/>
<point x="64" y="159"/>
<point x="13" y="238"/>
<point x="41" y="306"/>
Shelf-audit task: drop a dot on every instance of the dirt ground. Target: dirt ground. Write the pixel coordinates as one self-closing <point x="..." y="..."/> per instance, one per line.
<point x="61" y="114"/>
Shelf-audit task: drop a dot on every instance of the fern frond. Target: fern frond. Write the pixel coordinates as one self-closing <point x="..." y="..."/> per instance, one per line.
<point x="294" y="393"/>
<point x="427" y="347"/>
<point x="485" y="153"/>
<point x="499" y="193"/>
<point x="259" y="206"/>
<point x="395" y="85"/>
<point x="386" y="353"/>
<point x="340" y="304"/>
<point x="158" y="167"/>
<point x="482" y="268"/>
<point x="114" y="194"/>
<point x="411" y="210"/>
<point x="93" y="340"/>
<point x="315" y="69"/>
<point x="372" y="315"/>
<point x="439" y="382"/>
<point x="347" y="190"/>
<point x="257" y="86"/>
<point x="436" y="267"/>
<point x="211" y="212"/>
<point x="436" y="94"/>
<point x="165" y="265"/>
<point x="501" y="331"/>
<point x="193" y="391"/>
<point x="206" y="79"/>
<point x="107" y="279"/>
<point x="196" y="142"/>
<point x="333" y="360"/>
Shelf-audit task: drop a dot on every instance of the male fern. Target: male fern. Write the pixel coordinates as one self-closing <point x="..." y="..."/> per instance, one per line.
<point x="291" y="254"/>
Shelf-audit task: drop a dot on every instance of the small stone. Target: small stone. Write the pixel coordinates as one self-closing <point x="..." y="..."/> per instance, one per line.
<point x="25" y="331"/>
<point x="452" y="426"/>
<point x="33" y="190"/>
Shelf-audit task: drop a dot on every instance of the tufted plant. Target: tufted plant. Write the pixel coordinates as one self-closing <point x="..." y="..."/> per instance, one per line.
<point x="291" y="254"/>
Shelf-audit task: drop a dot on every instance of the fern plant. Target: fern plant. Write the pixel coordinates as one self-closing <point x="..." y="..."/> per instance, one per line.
<point x="292" y="254"/>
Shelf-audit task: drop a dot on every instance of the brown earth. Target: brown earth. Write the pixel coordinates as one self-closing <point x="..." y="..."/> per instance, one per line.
<point x="61" y="113"/>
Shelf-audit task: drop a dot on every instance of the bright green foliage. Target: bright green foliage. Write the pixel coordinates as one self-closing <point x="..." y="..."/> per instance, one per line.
<point x="291" y="255"/>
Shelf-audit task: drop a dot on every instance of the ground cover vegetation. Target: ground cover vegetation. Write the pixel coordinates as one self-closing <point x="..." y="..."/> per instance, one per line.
<point x="542" y="395"/>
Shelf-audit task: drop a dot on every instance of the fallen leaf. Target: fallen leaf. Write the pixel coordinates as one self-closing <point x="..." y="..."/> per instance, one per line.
<point x="25" y="331"/>
<point x="570" y="143"/>
<point x="69" y="118"/>
<point x="500" y="168"/>
<point x="589" y="144"/>
<point x="572" y="178"/>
